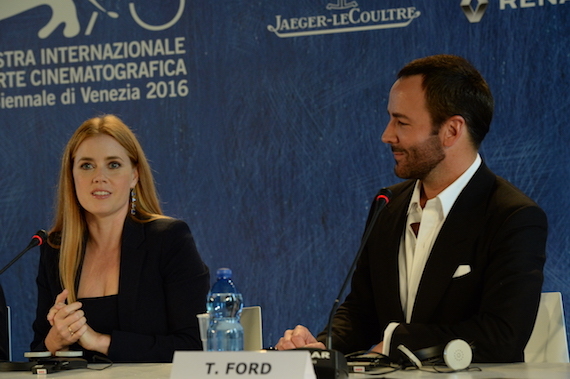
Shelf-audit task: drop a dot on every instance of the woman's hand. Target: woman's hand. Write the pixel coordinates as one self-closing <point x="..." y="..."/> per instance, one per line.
<point x="67" y="322"/>
<point x="94" y="341"/>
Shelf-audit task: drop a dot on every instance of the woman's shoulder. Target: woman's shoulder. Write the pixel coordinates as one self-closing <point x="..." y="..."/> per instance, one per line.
<point x="49" y="252"/>
<point x="54" y="239"/>
<point x="164" y="222"/>
<point x="166" y="235"/>
<point x="166" y="225"/>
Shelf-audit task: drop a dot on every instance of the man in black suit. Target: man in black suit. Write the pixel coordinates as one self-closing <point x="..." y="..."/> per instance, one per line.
<point x="459" y="251"/>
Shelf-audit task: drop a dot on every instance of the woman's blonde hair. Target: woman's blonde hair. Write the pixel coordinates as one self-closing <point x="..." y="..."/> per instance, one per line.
<point x="69" y="231"/>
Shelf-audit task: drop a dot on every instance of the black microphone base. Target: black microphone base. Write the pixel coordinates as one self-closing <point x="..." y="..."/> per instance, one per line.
<point x="328" y="364"/>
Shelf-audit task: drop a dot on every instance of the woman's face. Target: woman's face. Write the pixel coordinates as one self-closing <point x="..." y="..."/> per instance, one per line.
<point x="103" y="176"/>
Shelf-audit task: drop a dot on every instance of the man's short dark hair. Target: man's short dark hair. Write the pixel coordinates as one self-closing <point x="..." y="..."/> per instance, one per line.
<point x="454" y="87"/>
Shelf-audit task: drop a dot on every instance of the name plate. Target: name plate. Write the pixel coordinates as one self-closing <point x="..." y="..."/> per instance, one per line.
<point x="242" y="364"/>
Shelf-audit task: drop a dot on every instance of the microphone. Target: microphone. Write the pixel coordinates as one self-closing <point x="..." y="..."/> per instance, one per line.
<point x="382" y="198"/>
<point x="37" y="239"/>
<point x="5" y="354"/>
<point x="331" y="364"/>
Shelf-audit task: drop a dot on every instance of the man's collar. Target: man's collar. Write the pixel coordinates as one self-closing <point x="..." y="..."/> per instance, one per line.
<point x="448" y="196"/>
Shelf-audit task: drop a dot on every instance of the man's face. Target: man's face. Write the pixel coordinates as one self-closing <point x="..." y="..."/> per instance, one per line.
<point x="416" y="147"/>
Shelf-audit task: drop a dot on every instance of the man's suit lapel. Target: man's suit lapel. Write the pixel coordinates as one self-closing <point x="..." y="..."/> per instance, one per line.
<point x="132" y="260"/>
<point x="460" y="229"/>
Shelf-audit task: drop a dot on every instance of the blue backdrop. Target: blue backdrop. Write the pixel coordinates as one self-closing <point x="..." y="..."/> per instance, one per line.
<point x="262" y="121"/>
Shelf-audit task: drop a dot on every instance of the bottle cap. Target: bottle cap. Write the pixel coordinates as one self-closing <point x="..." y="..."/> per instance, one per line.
<point x="224" y="273"/>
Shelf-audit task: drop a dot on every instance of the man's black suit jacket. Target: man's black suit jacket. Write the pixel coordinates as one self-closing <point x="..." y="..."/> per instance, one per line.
<point x="163" y="285"/>
<point x="496" y="230"/>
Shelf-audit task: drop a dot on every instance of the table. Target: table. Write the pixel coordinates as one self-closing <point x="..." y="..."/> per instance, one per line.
<point x="162" y="371"/>
<point x="489" y="371"/>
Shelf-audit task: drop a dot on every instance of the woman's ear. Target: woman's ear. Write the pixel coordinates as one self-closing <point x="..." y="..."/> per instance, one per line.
<point x="135" y="177"/>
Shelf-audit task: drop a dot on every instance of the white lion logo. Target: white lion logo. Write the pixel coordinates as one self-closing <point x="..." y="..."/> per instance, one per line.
<point x="63" y="12"/>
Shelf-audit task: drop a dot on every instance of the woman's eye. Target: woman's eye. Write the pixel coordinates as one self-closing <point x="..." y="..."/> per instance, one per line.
<point x="114" y="165"/>
<point x="86" y="166"/>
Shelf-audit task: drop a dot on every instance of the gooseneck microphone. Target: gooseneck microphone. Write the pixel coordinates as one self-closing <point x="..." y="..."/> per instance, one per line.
<point x="382" y="198"/>
<point x="37" y="239"/>
<point x="331" y="364"/>
<point x="5" y="354"/>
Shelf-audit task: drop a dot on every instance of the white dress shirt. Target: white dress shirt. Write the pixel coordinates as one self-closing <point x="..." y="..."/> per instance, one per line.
<point x="415" y="250"/>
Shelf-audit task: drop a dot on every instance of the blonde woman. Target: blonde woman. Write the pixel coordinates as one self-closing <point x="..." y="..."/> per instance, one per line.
<point x="117" y="278"/>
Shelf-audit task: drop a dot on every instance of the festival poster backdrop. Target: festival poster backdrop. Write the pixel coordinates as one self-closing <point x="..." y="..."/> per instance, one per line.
<point x="262" y="121"/>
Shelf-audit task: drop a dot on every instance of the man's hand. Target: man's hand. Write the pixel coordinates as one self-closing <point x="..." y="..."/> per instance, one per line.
<point x="378" y="348"/>
<point x="298" y="337"/>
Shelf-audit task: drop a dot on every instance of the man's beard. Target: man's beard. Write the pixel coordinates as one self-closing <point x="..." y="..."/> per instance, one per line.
<point x="419" y="160"/>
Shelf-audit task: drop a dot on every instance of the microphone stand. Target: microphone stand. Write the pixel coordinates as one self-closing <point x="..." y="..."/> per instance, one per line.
<point x="330" y="363"/>
<point x="384" y="195"/>
<point x="39" y="238"/>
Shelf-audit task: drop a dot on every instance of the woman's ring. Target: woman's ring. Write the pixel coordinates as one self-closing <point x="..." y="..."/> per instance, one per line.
<point x="70" y="331"/>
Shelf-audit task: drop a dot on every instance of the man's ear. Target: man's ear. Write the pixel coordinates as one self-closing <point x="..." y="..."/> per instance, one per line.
<point x="453" y="130"/>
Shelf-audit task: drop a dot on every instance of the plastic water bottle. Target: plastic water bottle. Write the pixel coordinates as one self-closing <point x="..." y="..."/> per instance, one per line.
<point x="225" y="332"/>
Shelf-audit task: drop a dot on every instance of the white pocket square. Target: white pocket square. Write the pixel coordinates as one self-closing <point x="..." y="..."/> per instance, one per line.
<point x="461" y="271"/>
